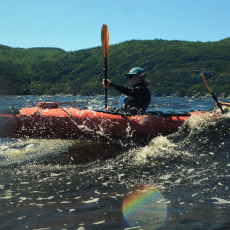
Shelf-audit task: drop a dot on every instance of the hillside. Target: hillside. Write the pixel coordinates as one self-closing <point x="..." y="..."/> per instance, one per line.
<point x="173" y="68"/>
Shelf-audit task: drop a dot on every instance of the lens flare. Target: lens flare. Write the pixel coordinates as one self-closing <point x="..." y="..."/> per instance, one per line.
<point x="145" y="207"/>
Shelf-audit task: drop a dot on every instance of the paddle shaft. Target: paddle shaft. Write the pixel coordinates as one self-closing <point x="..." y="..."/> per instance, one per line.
<point x="217" y="102"/>
<point x="106" y="70"/>
<point x="213" y="95"/>
<point x="105" y="46"/>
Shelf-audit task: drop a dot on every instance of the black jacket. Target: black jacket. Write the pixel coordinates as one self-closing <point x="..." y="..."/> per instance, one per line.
<point x="138" y="97"/>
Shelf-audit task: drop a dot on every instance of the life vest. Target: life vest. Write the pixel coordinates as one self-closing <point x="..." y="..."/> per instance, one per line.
<point x="127" y="103"/>
<point x="121" y="102"/>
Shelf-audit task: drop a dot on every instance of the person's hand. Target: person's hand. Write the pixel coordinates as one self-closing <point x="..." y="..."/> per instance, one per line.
<point x="106" y="85"/>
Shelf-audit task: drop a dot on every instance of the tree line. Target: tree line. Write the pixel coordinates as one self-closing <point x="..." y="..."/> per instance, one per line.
<point x="173" y="68"/>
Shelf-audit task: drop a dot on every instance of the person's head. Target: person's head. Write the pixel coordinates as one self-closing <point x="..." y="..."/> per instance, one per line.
<point x="136" y="76"/>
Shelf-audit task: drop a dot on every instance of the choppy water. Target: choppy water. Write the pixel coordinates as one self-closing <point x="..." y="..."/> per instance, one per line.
<point x="181" y="181"/>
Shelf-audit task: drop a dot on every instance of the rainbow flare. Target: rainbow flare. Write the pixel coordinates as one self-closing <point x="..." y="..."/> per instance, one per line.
<point x="145" y="207"/>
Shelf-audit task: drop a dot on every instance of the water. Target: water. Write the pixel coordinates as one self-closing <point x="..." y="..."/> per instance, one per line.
<point x="180" y="181"/>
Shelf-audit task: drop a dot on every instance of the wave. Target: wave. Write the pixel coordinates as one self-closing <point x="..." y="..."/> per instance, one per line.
<point x="16" y="152"/>
<point x="203" y="135"/>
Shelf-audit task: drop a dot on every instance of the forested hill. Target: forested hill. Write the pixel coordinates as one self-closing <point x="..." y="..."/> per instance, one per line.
<point x="173" y="68"/>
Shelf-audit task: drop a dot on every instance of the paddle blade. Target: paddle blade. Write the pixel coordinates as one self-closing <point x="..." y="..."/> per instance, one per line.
<point x="205" y="82"/>
<point x="105" y="40"/>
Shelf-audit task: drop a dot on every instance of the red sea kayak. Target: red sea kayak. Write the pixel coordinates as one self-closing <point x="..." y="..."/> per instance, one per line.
<point x="47" y="120"/>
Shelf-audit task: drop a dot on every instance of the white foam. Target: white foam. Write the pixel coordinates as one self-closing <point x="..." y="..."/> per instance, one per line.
<point x="99" y="222"/>
<point x="220" y="201"/>
<point x="91" y="201"/>
<point x="159" y="146"/>
<point x="30" y="150"/>
<point x="197" y="122"/>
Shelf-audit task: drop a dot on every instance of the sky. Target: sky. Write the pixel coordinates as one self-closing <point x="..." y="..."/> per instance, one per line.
<point x="76" y="24"/>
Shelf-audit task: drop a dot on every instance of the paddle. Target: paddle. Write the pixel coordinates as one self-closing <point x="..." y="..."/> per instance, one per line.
<point x="105" y="46"/>
<point x="213" y="95"/>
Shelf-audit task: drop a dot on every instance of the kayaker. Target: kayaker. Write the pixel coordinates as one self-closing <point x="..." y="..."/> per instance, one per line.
<point x="137" y="98"/>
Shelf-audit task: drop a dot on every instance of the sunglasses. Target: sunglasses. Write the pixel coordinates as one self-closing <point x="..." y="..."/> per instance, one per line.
<point x="130" y="76"/>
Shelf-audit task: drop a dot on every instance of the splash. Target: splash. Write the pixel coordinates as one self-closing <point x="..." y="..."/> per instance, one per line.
<point x="158" y="147"/>
<point x="145" y="208"/>
<point x="21" y="151"/>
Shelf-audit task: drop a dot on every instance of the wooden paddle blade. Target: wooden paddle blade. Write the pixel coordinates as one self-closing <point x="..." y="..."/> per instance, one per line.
<point x="105" y="40"/>
<point x="205" y="82"/>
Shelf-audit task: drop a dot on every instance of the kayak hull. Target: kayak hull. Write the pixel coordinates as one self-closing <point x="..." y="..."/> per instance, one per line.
<point x="72" y="123"/>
